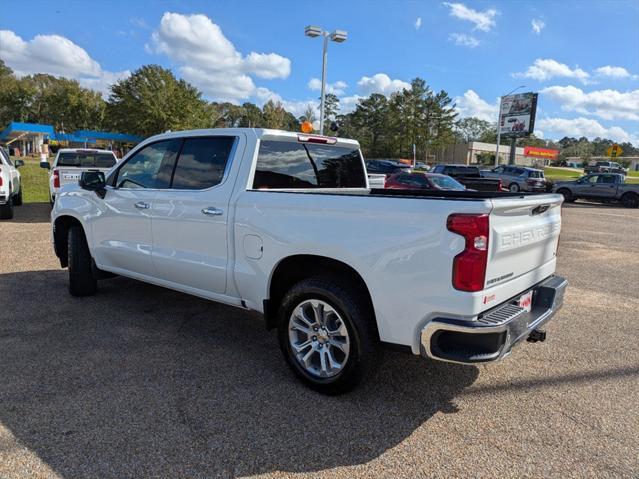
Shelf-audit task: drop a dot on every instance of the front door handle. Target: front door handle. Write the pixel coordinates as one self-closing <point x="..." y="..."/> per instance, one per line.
<point x="141" y="205"/>
<point x="210" y="211"/>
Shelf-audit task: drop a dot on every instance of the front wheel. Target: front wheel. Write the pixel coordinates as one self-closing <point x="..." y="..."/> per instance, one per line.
<point x="81" y="279"/>
<point x="327" y="334"/>
<point x="568" y="198"/>
<point x="513" y="188"/>
<point x="17" y="199"/>
<point x="630" y="200"/>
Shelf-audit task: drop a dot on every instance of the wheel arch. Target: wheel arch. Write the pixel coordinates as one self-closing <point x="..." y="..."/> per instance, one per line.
<point x="61" y="227"/>
<point x="292" y="269"/>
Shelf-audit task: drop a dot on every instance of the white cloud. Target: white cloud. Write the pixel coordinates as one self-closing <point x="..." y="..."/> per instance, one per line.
<point x="57" y="56"/>
<point x="545" y="69"/>
<point x="471" y="104"/>
<point x="613" y="72"/>
<point x="606" y="104"/>
<point x="210" y="61"/>
<point x="381" y="83"/>
<point x="537" y="25"/>
<point x="336" y="88"/>
<point x="464" y="40"/>
<point x="578" y="127"/>
<point x="483" y="21"/>
<point x="51" y="54"/>
<point x="418" y="23"/>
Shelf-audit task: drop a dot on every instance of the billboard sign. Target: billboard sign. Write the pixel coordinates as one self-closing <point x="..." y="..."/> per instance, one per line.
<point x="518" y="115"/>
<point x="543" y="153"/>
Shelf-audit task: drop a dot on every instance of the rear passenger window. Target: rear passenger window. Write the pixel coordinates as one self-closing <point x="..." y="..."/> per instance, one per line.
<point x="303" y="165"/>
<point x="202" y="162"/>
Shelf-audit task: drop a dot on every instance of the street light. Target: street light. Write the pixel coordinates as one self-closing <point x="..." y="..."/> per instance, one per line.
<point x="499" y="121"/>
<point x="337" y="36"/>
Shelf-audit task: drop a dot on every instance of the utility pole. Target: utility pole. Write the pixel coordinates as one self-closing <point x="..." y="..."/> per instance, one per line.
<point x="513" y="150"/>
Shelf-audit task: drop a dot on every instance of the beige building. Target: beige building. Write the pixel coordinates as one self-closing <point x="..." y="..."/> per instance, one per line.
<point x="469" y="153"/>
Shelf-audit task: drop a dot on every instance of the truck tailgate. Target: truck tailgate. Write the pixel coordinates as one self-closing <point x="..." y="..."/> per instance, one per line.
<point x="524" y="232"/>
<point x="72" y="175"/>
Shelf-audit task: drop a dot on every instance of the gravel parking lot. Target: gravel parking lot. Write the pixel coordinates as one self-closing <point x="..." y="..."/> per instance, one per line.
<point x="139" y="381"/>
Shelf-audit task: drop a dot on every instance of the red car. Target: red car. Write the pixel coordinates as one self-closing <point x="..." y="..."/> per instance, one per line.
<point x="423" y="181"/>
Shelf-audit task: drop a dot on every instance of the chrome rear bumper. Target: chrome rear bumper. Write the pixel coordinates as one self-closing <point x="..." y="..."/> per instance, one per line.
<point x="495" y="332"/>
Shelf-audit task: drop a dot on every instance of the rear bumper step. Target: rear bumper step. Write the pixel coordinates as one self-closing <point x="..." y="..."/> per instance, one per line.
<point x="493" y="335"/>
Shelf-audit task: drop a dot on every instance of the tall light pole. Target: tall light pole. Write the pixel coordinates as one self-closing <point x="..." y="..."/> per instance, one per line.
<point x="338" y="36"/>
<point x="499" y="121"/>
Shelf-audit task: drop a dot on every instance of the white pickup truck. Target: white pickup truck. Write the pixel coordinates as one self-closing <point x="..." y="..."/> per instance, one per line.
<point x="10" y="185"/>
<point x="284" y="224"/>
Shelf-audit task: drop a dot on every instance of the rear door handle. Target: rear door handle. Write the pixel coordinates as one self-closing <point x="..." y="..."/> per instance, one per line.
<point x="141" y="205"/>
<point x="210" y="211"/>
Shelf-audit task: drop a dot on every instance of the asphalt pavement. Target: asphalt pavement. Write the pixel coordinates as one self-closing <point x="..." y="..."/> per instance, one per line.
<point x="140" y="381"/>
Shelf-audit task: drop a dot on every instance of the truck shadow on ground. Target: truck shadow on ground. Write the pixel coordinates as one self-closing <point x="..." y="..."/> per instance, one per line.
<point x="31" y="213"/>
<point x="143" y="381"/>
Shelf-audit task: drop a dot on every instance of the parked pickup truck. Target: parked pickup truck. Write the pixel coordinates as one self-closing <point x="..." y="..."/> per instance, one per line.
<point x="10" y="185"/>
<point x="469" y="176"/>
<point x="69" y="163"/>
<point x="284" y="224"/>
<point x="606" y="187"/>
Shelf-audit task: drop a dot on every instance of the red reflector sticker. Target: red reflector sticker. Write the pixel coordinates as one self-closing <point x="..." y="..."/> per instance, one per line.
<point x="525" y="301"/>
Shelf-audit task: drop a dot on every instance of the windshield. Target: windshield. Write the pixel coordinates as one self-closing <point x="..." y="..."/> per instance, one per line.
<point x="86" y="159"/>
<point x="446" y="183"/>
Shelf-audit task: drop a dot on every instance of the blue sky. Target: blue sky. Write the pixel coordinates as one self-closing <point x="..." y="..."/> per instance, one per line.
<point x="582" y="56"/>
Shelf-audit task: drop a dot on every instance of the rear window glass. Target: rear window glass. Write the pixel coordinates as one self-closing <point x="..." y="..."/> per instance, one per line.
<point x="86" y="160"/>
<point x="535" y="174"/>
<point x="202" y="162"/>
<point x="306" y="165"/>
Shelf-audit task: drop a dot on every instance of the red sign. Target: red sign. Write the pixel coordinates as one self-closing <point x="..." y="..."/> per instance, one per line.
<point x="546" y="153"/>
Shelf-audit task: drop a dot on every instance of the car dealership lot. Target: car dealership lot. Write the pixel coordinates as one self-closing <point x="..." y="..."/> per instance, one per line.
<point x="143" y="381"/>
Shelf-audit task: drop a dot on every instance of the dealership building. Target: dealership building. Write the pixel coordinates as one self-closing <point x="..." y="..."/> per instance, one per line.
<point x="467" y="153"/>
<point x="26" y="139"/>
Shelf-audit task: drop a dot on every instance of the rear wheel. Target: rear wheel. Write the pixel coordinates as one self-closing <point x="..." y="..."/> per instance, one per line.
<point x="513" y="188"/>
<point x="630" y="200"/>
<point x="327" y="334"/>
<point x="6" y="210"/>
<point x="81" y="279"/>
<point x="17" y="199"/>
<point x="566" y="194"/>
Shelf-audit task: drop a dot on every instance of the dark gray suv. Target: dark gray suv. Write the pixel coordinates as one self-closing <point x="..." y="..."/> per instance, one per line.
<point x="518" y="178"/>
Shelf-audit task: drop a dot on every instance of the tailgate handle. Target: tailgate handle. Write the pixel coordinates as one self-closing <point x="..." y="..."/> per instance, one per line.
<point x="540" y="209"/>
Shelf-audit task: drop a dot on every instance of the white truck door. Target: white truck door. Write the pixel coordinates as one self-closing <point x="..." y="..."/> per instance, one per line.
<point x="122" y="232"/>
<point x="190" y="221"/>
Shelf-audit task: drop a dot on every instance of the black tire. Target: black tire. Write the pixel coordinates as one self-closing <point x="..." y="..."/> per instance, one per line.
<point x="513" y="188"/>
<point x="17" y="199"/>
<point x="630" y="200"/>
<point x="81" y="279"/>
<point x="567" y="194"/>
<point x="6" y="210"/>
<point x="353" y="307"/>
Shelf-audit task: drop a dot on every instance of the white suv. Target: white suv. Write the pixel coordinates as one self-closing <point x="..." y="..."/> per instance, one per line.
<point x="69" y="163"/>
<point x="10" y="185"/>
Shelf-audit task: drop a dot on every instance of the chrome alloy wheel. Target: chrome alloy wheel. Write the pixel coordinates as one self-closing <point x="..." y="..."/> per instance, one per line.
<point x="318" y="338"/>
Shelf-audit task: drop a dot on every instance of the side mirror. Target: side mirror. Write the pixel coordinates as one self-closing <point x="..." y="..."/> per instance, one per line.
<point x="18" y="163"/>
<point x="45" y="164"/>
<point x="93" y="180"/>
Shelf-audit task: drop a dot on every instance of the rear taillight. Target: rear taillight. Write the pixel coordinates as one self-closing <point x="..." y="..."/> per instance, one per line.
<point x="0" y="176"/>
<point x="56" y="179"/>
<point x="469" y="266"/>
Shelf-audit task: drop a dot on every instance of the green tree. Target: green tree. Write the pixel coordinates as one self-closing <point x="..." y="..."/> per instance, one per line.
<point x="473" y="129"/>
<point x="152" y="100"/>
<point x="274" y="115"/>
<point x="331" y="110"/>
